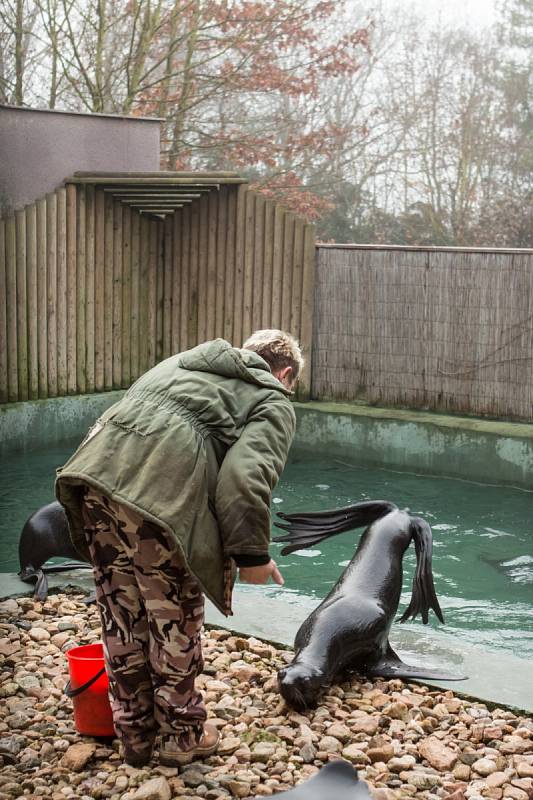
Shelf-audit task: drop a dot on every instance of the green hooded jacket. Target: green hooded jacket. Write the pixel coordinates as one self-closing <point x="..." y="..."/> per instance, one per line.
<point x="196" y="445"/>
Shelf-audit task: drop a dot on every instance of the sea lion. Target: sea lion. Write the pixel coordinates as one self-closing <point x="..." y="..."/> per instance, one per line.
<point x="349" y="630"/>
<point x="46" y="535"/>
<point x="337" y="780"/>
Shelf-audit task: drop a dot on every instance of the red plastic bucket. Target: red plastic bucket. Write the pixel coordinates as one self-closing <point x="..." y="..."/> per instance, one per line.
<point x="88" y="688"/>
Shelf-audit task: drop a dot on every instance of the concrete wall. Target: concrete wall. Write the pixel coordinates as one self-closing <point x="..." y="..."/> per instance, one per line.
<point x="434" y="444"/>
<point x="39" y="148"/>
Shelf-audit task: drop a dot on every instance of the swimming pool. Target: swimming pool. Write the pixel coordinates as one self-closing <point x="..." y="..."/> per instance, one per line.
<point x="482" y="560"/>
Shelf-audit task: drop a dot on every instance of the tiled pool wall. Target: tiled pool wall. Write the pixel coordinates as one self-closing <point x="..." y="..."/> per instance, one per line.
<point x="435" y="444"/>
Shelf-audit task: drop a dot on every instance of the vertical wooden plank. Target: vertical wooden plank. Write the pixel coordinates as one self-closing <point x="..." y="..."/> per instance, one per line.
<point x="99" y="290"/>
<point x="248" y="273"/>
<point x="31" y="261"/>
<point x="126" y="297"/>
<point x="305" y="391"/>
<point x="222" y="230"/>
<point x="229" y="278"/>
<point x="108" y="307"/>
<point x="151" y="330"/>
<point x="61" y="292"/>
<point x="268" y="252"/>
<point x="72" y="287"/>
<point x="277" y="266"/>
<point x="22" y="302"/>
<point x="81" y="287"/>
<point x="135" y="293"/>
<point x="193" y="334"/>
<point x="258" y="281"/>
<point x="183" y="220"/>
<point x="51" y="290"/>
<point x="203" y="234"/>
<point x="89" y="338"/>
<point x="160" y="288"/>
<point x="211" y="299"/>
<point x="11" y="303"/>
<point x="3" y="316"/>
<point x="117" y="295"/>
<point x="240" y="235"/>
<point x="42" y="290"/>
<point x="168" y="285"/>
<point x="288" y="251"/>
<point x="297" y="276"/>
<point x="144" y="294"/>
<point x="176" y="341"/>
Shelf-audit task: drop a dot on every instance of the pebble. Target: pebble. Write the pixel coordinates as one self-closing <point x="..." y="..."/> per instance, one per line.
<point x="406" y="740"/>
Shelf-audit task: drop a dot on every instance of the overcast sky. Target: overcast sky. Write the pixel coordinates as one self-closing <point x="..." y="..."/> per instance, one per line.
<point x="478" y="13"/>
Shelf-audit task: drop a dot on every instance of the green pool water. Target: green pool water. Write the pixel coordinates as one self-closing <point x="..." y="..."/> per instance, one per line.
<point x="483" y="538"/>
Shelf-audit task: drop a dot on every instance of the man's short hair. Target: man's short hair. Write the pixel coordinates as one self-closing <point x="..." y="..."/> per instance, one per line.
<point x="278" y="349"/>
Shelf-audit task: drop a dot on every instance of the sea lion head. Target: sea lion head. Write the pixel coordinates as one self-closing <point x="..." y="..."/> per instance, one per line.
<point x="299" y="684"/>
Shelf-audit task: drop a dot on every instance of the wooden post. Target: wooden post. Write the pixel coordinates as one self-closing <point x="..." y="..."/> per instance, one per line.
<point x="108" y="299"/>
<point x="135" y="293"/>
<point x="176" y="341"/>
<point x="81" y="296"/>
<point x="268" y="253"/>
<point x="151" y="287"/>
<point x="72" y="288"/>
<point x="258" y="275"/>
<point x="51" y="274"/>
<point x="33" y="314"/>
<point x="126" y="297"/>
<point x="249" y="252"/>
<point x="3" y="316"/>
<point x="160" y="289"/>
<point x="99" y="290"/>
<point x="184" y="222"/>
<point x="61" y="292"/>
<point x="308" y="310"/>
<point x="90" y="273"/>
<point x="238" y="299"/>
<point x="203" y="246"/>
<point x="22" y="301"/>
<point x="277" y="266"/>
<point x="288" y="249"/>
<point x="220" y="268"/>
<point x="193" y="274"/>
<point x="42" y="284"/>
<point x="297" y="275"/>
<point x="168" y="285"/>
<point x="11" y="305"/>
<point x="229" y="279"/>
<point x="117" y="294"/>
<point x="211" y="270"/>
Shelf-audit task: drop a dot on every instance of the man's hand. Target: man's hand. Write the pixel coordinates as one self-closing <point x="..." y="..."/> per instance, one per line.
<point x="261" y="574"/>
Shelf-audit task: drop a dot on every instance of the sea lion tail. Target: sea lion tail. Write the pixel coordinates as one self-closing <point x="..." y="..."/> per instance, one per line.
<point x="423" y="595"/>
<point x="308" y="529"/>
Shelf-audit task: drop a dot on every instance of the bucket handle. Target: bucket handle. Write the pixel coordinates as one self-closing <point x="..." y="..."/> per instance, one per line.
<point x="75" y="692"/>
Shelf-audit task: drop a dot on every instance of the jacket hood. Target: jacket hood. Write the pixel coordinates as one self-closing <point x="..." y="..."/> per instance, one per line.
<point x="220" y="358"/>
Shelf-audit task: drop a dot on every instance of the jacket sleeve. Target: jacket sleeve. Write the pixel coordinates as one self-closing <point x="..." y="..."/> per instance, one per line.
<point x="248" y="474"/>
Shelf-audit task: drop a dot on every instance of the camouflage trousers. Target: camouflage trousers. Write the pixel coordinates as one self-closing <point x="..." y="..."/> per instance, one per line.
<point x="152" y="612"/>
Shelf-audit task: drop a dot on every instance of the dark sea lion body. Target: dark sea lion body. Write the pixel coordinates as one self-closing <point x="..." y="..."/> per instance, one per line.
<point x="337" y="780"/>
<point x="349" y="630"/>
<point x="46" y="535"/>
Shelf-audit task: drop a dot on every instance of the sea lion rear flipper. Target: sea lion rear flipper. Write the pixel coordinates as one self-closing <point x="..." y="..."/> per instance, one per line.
<point x="391" y="666"/>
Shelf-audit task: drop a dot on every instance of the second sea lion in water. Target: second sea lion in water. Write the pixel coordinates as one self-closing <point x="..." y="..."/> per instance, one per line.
<point x="349" y="630"/>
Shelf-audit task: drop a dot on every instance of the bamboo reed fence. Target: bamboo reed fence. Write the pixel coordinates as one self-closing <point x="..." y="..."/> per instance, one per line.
<point x="442" y="329"/>
<point x="112" y="272"/>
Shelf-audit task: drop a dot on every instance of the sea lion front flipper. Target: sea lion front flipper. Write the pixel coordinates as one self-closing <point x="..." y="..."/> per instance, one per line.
<point x="390" y="665"/>
<point x="41" y="587"/>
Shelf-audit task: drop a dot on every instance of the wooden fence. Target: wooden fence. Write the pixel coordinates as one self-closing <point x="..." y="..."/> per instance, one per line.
<point x="448" y="330"/>
<point x="103" y="278"/>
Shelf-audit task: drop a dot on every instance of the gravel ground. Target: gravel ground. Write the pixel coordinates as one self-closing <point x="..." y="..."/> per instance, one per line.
<point x="404" y="739"/>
